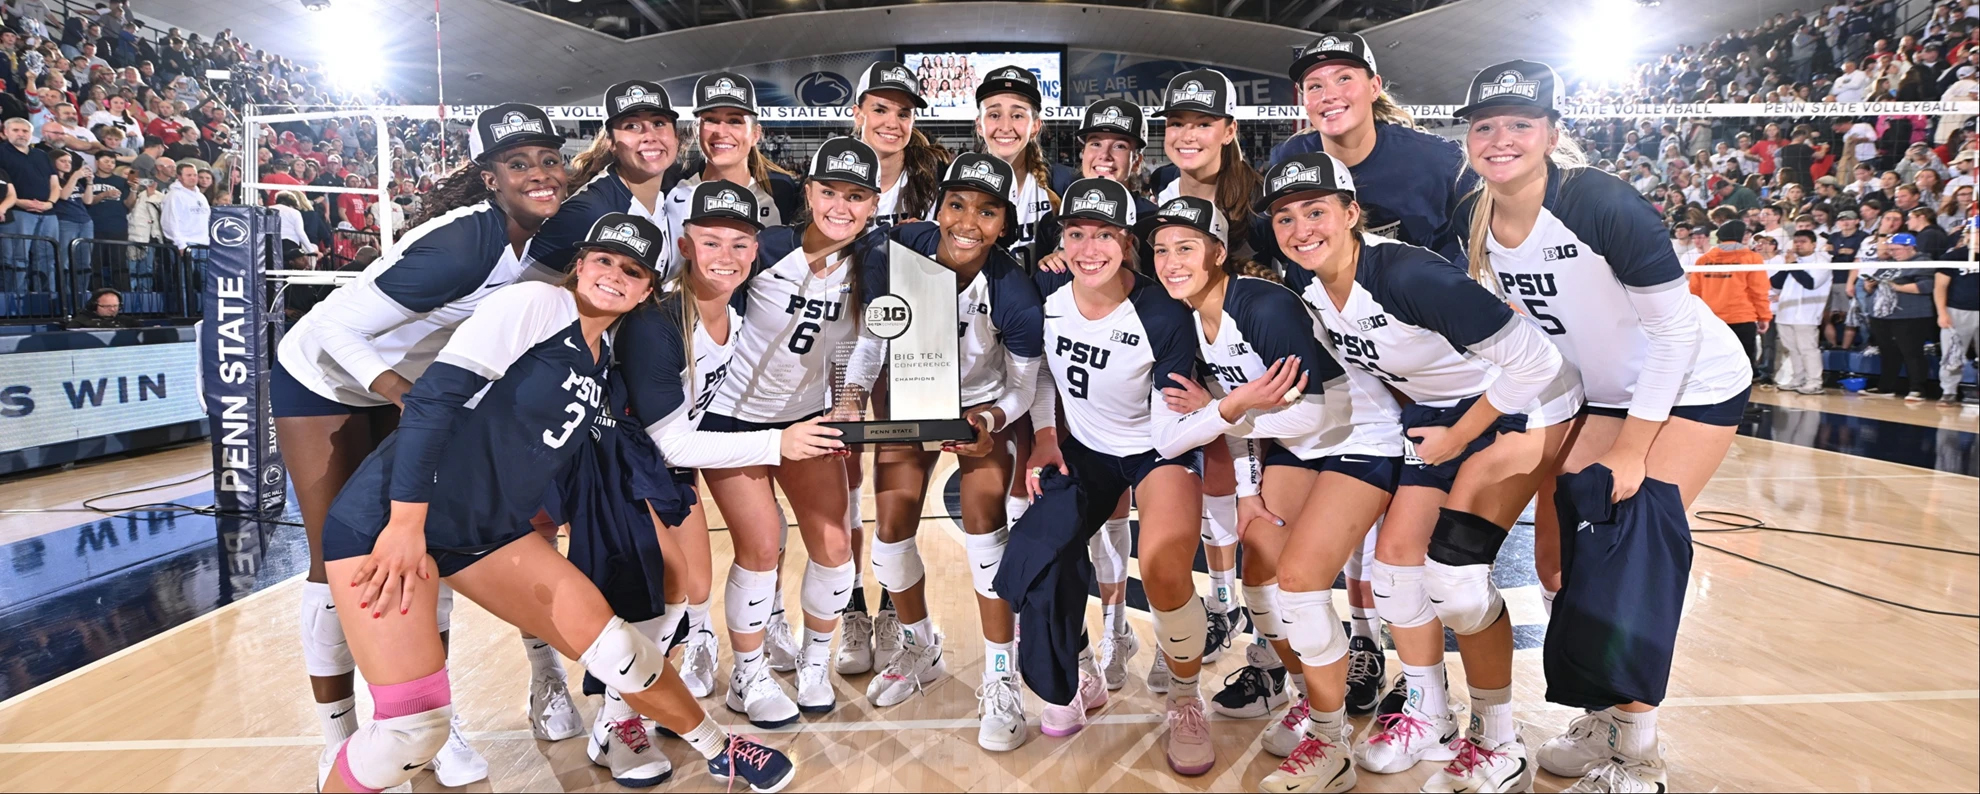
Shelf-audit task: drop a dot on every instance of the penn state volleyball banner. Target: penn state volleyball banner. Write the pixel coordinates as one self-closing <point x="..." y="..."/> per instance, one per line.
<point x="236" y="346"/>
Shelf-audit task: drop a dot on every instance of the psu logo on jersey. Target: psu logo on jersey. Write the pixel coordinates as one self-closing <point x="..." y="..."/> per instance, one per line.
<point x="636" y="95"/>
<point x="1509" y="83"/>
<point x="849" y="163"/>
<point x="625" y="233"/>
<point x="1372" y="323"/>
<point x="1179" y="209"/>
<point x="1126" y="338"/>
<point x="1553" y="252"/>
<point x="1111" y="117"/>
<point x="1095" y="201"/>
<point x="1193" y="91"/>
<point x="724" y="87"/>
<point x="515" y="123"/>
<point x="725" y="200"/>
<point x="980" y="171"/>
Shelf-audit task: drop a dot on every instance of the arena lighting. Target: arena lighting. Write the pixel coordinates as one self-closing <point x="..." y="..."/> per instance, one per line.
<point x="349" y="37"/>
<point x="1604" y="47"/>
<point x="315" y="5"/>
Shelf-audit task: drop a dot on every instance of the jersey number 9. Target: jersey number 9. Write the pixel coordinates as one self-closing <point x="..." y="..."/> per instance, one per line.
<point x="1076" y="382"/>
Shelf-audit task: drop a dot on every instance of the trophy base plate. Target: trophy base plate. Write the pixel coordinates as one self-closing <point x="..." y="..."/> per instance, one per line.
<point x="904" y="432"/>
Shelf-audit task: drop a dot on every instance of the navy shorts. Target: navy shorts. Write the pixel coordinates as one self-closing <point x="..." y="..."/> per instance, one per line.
<point x="1382" y="472"/>
<point x="342" y="542"/>
<point x="288" y="397"/>
<point x="718" y="423"/>
<point x="1721" y="414"/>
<point x="1443" y="475"/>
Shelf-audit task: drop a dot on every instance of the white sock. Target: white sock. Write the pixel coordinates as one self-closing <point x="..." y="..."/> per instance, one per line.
<point x="697" y="617"/>
<point x="817" y="647"/>
<point x="1427" y="697"/>
<point x="1492" y="709"/>
<point x="852" y="508"/>
<point x="1183" y="687"/>
<point x="339" y="720"/>
<point x="997" y="661"/>
<point x="1328" y="725"/>
<point x="616" y="709"/>
<point x="1223" y="590"/>
<point x="1014" y="507"/>
<point x="1636" y="733"/>
<point x="708" y="738"/>
<point x="920" y="632"/>
<point x="745" y="660"/>
<point x="1363" y="621"/>
<point x="543" y="659"/>
<point x="1296" y="683"/>
<point x="1272" y="653"/>
<point x="1547" y="599"/>
<point x="1114" y="617"/>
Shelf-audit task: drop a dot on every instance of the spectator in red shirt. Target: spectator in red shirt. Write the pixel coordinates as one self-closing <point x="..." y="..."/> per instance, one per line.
<point x="1769" y="143"/>
<point x="354" y="208"/>
<point x="162" y="127"/>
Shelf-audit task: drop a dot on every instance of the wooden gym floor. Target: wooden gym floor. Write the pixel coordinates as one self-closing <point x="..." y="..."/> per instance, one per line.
<point x="1779" y="684"/>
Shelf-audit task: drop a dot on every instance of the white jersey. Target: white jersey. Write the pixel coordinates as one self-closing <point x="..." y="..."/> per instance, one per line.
<point x="403" y="308"/>
<point x="1034" y="207"/>
<point x="888" y="212"/>
<point x="711" y="363"/>
<point x="794" y="322"/>
<point x="1598" y="277"/>
<point x="1109" y="371"/>
<point x="677" y="214"/>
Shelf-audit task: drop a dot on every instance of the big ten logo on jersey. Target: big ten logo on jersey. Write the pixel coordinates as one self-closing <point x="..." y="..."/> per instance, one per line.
<point x="814" y="312"/>
<point x="588" y="393"/>
<point x="970" y="311"/>
<point x="1126" y="338"/>
<point x="1362" y="352"/>
<point x="1080" y="356"/>
<point x="1553" y="252"/>
<point x="1529" y="291"/>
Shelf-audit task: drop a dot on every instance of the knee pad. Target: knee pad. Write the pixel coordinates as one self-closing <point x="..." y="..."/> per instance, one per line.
<point x="1109" y="550"/>
<point x="853" y="521"/>
<point x="783" y="529"/>
<point x="1268" y="621"/>
<point x="1463" y="596"/>
<point x="986" y="555"/>
<point x="443" y="609"/>
<point x="897" y="566"/>
<point x="1014" y="506"/>
<point x="409" y="725"/>
<point x="623" y="658"/>
<point x="826" y="590"/>
<point x="665" y="631"/>
<point x="1399" y="595"/>
<point x="1220" y="520"/>
<point x="1462" y="539"/>
<point x="1313" y="627"/>
<point x="746" y="599"/>
<point x="1360" y="561"/>
<point x="1180" y="631"/>
<point x="325" y="653"/>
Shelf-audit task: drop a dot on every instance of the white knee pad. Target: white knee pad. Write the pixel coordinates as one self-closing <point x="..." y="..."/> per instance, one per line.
<point x="1463" y="595"/>
<point x="1313" y="627"/>
<point x="1180" y="631"/>
<point x="783" y="529"/>
<point x="1399" y="595"/>
<point x="443" y="609"/>
<point x="826" y="591"/>
<point x="1109" y="549"/>
<point x="1361" y="560"/>
<point x="388" y="752"/>
<point x="1267" y="618"/>
<point x="897" y="566"/>
<point x="748" y="599"/>
<point x="325" y="653"/>
<point x="663" y="629"/>
<point x="1220" y="520"/>
<point x="623" y="658"/>
<point x="986" y="555"/>
<point x="1014" y="507"/>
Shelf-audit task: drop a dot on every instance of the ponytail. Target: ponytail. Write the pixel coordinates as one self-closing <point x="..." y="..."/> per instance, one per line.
<point x="923" y="160"/>
<point x="1566" y="156"/>
<point x="1237" y="184"/>
<point x="1032" y="161"/>
<point x="459" y="188"/>
<point x="597" y="157"/>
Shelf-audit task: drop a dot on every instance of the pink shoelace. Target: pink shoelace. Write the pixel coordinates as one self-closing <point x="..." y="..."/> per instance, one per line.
<point x="1296" y="716"/>
<point x="1186" y="719"/>
<point x="1308" y="753"/>
<point x="1469" y="756"/>
<point x="633" y="732"/>
<point x="748" y="749"/>
<point x="1400" y="726"/>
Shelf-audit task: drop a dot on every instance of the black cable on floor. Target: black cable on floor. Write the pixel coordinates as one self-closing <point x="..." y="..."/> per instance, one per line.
<point x="174" y="507"/>
<point x="1746" y="523"/>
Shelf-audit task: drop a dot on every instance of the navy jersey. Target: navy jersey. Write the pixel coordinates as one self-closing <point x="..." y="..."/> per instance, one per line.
<point x="556" y="242"/>
<point x="669" y="384"/>
<point x="404" y="307"/>
<point x="482" y="460"/>
<point x="1406" y="185"/>
<point x="1599" y="276"/>
<point x="1109" y="371"/>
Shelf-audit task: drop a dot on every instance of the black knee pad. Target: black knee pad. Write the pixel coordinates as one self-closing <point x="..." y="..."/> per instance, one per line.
<point x="1461" y="538"/>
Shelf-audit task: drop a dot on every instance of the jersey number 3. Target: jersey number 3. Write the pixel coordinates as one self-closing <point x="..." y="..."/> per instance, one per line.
<point x="557" y="440"/>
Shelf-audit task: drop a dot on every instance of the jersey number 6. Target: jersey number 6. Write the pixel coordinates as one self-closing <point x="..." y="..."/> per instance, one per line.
<point x="803" y="338"/>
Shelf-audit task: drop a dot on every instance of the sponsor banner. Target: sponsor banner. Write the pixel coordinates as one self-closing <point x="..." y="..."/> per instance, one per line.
<point x="59" y="396"/>
<point x="237" y="345"/>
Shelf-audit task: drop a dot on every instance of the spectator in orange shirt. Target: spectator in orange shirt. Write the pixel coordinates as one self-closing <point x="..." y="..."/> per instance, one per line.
<point x="1737" y="297"/>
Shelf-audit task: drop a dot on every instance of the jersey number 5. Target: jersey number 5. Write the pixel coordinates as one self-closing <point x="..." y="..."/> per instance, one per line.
<point x="803" y="338"/>
<point x="1549" y="323"/>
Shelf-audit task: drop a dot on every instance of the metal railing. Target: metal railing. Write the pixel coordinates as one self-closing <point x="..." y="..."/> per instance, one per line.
<point x="43" y="280"/>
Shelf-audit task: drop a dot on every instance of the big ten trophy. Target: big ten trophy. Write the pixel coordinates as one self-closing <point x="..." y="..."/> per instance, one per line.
<point x="922" y="391"/>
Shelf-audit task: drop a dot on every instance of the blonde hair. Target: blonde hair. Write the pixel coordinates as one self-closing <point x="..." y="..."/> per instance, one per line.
<point x="1385" y="110"/>
<point x="1566" y="155"/>
<point x="760" y="166"/>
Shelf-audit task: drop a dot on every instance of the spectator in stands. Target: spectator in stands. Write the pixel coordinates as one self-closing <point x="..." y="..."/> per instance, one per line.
<point x="72" y="219"/>
<point x="1737" y="297"/>
<point x="1733" y="194"/>
<point x="1852" y="84"/>
<point x="33" y="182"/>
<point x="289" y="207"/>
<point x="185" y="211"/>
<point x="1923" y="223"/>
<point x="105" y="309"/>
<point x="1902" y="315"/>
<point x="1956" y="299"/>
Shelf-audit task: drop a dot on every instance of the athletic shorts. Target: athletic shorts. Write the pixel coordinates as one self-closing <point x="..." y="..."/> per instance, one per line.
<point x="1720" y="414"/>
<point x="288" y="397"/>
<point x="1443" y="475"/>
<point x="342" y="542"/>
<point x="718" y="423"/>
<point x="1381" y="472"/>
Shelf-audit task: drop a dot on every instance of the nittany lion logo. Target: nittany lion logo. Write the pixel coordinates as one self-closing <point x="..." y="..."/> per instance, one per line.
<point x="896" y="74"/>
<point x="982" y="172"/>
<point x="1182" y="209"/>
<point x="1096" y="201"/>
<point x="513" y="123"/>
<point x="725" y="200"/>
<point x="636" y="95"/>
<point x="1509" y="83"/>
<point x="625" y="233"/>
<point x="1294" y="174"/>
<point x="1110" y="117"/>
<point x="848" y="162"/>
<point x="1012" y="73"/>
<point x="724" y="87"/>
<point x="1193" y="92"/>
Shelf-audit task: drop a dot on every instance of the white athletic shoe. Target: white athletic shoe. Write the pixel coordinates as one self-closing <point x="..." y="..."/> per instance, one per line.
<point x="913" y="669"/>
<point x="1254" y="690"/>
<point x="1316" y="766"/>
<point x="815" y="694"/>
<point x="1622" y="774"/>
<point x="457" y="764"/>
<point x="887" y="638"/>
<point x="1480" y="770"/>
<point x="698" y="664"/>
<point x="855" y="644"/>
<point x="627" y="749"/>
<point x="1115" y="651"/>
<point x="1584" y="747"/>
<point x="1285" y="733"/>
<point x="756" y="695"/>
<point x="1001" y="708"/>
<point x="1158" y="674"/>
<point x="1397" y="742"/>
<point x="552" y="717"/>
<point x="779" y="645"/>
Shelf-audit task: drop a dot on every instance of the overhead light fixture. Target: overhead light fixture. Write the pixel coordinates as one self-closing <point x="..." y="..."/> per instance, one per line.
<point x="315" y="5"/>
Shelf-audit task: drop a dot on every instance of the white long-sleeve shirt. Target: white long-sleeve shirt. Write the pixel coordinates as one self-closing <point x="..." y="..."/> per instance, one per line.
<point x="184" y="216"/>
<point x="292" y="227"/>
